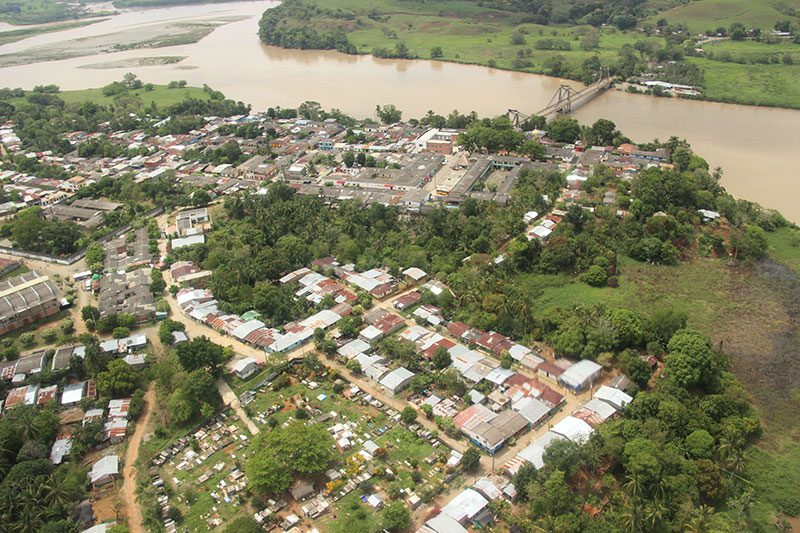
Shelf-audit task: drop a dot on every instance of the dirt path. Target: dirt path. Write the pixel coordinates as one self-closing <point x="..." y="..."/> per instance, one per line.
<point x="132" y="511"/>
<point x="229" y="398"/>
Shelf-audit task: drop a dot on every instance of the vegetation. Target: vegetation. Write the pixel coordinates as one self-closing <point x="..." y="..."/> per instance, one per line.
<point x="572" y="39"/>
<point x="297" y="449"/>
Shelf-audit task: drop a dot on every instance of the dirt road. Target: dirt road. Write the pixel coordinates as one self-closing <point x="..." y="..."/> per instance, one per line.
<point x="229" y="398"/>
<point x="132" y="511"/>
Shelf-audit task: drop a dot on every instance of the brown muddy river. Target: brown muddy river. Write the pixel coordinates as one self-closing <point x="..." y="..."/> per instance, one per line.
<point x="758" y="148"/>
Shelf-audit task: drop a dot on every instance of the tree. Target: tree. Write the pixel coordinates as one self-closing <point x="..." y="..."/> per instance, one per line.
<point x="596" y="276"/>
<point x="389" y="114"/>
<point x="179" y="407"/>
<point x="67" y="326"/>
<point x="441" y="358"/>
<point x="700" y="444"/>
<point x="532" y="149"/>
<point x="49" y="335"/>
<point x="408" y="415"/>
<point x="244" y="524"/>
<point x="396" y="517"/>
<point x="690" y="361"/>
<point x="201" y="353"/>
<point x="564" y="130"/>
<point x="309" y="110"/>
<point x="604" y="131"/>
<point x="471" y="459"/>
<point x="120" y="332"/>
<point x="348" y="159"/>
<point x="118" y="380"/>
<point x="27" y="339"/>
<point x="627" y="326"/>
<point x="131" y="81"/>
<point x="286" y="451"/>
<point x="505" y="360"/>
<point x="436" y="52"/>
<point x="200" y="197"/>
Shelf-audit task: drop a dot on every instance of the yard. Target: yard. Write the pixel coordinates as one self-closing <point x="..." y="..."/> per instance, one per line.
<point x="401" y="460"/>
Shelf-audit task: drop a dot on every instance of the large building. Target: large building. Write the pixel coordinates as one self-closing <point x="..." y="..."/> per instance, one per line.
<point x="25" y="299"/>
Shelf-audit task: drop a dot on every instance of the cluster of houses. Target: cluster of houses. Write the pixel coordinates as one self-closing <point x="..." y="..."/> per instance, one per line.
<point x="200" y="305"/>
<point x="190" y="227"/>
<point x="411" y="166"/>
<point x="69" y="398"/>
<point x="578" y="427"/>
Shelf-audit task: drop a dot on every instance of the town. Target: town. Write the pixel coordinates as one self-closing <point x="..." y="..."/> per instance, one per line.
<point x="337" y="392"/>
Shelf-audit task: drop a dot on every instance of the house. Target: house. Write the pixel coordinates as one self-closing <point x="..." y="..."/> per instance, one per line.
<point x="75" y="392"/>
<point x="581" y="375"/>
<point x="574" y="429"/>
<point x="549" y="370"/>
<point x="136" y="360"/>
<point x="244" y="368"/>
<point x="63" y="356"/>
<point x="533" y="410"/>
<point x="25" y="395"/>
<point x="179" y="337"/>
<point x="416" y="275"/>
<point x="384" y="326"/>
<point x="407" y="300"/>
<point x="25" y="299"/>
<point x="532" y="454"/>
<point x="469" y="507"/>
<point x="397" y="380"/>
<point x="442" y="523"/>
<point x="614" y="397"/>
<point x="60" y="449"/>
<point x="104" y="471"/>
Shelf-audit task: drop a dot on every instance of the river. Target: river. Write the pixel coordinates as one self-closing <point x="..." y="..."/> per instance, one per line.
<point x="756" y="147"/>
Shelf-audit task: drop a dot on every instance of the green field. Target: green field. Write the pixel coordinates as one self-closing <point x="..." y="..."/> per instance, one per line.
<point x="704" y="15"/>
<point x="161" y="95"/>
<point x="467" y="32"/>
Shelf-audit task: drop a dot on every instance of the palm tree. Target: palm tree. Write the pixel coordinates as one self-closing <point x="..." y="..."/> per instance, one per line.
<point x="56" y="494"/>
<point x="632" y="518"/>
<point x="736" y="461"/>
<point x="700" y="521"/>
<point x="634" y="486"/>
<point x="655" y="513"/>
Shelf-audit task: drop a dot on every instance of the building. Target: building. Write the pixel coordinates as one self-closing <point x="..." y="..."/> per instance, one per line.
<point x="469" y="508"/>
<point x="104" y="471"/>
<point x="397" y="380"/>
<point x="127" y="292"/>
<point x="25" y="299"/>
<point x="244" y="368"/>
<point x="614" y="397"/>
<point x="581" y="375"/>
<point x="192" y="222"/>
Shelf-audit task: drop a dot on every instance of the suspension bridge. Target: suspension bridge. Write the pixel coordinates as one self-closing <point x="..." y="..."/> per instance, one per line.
<point x="565" y="100"/>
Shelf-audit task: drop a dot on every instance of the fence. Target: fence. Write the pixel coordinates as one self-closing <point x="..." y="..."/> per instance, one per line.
<point x="77" y="256"/>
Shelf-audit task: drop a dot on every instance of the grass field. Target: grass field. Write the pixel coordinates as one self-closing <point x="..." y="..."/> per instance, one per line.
<point x="469" y="33"/>
<point x="702" y="15"/>
<point x="161" y="95"/>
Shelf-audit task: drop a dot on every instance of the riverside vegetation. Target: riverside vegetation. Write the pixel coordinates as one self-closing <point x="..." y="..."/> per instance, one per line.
<point x="744" y="61"/>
